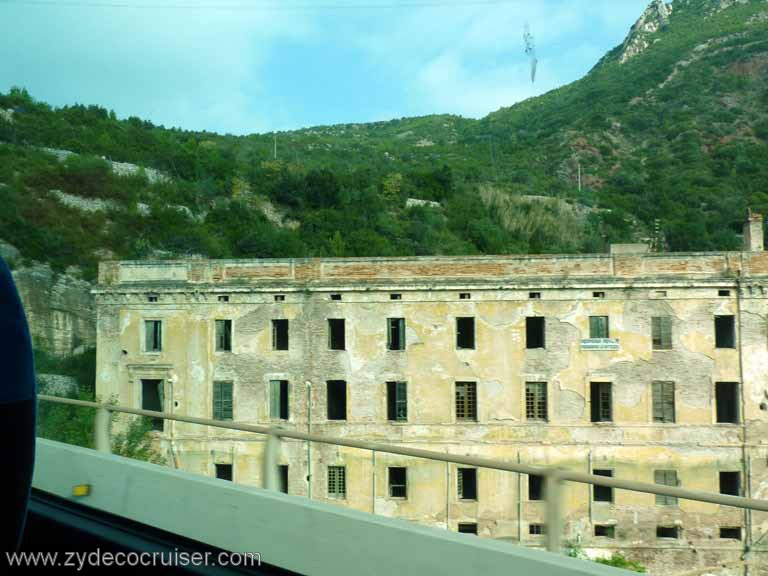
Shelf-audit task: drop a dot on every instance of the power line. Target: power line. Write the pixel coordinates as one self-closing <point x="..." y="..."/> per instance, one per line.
<point x="262" y="6"/>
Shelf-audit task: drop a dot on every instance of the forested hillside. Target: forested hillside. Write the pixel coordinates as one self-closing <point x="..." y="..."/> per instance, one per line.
<point x="670" y="130"/>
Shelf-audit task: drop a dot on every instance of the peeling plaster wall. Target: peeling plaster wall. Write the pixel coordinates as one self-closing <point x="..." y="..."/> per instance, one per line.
<point x="637" y="287"/>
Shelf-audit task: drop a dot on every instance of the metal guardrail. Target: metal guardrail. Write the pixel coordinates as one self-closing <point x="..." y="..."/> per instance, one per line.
<point x="554" y="477"/>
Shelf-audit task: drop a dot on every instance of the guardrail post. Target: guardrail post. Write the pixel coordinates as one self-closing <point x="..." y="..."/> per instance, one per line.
<point x="271" y="452"/>
<point x="101" y="422"/>
<point x="554" y="495"/>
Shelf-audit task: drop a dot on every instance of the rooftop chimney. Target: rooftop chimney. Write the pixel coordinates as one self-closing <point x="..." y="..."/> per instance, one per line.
<point x="753" y="232"/>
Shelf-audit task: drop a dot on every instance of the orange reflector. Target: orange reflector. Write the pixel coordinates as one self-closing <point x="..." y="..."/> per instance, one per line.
<point x="81" y="490"/>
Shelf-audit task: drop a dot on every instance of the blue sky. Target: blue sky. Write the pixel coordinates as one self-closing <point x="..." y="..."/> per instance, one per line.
<point x="244" y="66"/>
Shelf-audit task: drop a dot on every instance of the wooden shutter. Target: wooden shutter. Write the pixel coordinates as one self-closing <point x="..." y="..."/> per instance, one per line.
<point x="274" y="398"/>
<point x="401" y="401"/>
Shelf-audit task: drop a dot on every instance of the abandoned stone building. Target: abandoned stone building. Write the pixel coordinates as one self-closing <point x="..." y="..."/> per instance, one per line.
<point x="633" y="364"/>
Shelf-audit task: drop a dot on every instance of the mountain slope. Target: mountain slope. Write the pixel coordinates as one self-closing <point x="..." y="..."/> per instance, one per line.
<point x="669" y="131"/>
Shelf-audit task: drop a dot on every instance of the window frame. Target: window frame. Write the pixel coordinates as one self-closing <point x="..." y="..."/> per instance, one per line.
<point x="599" y="407"/>
<point x="596" y="325"/>
<point x="280" y="334"/>
<point x="722" y="411"/>
<point x="219" y="413"/>
<point x="336" y="342"/>
<point x="397" y="401"/>
<point x="283" y="476"/>
<point x="279" y="399"/>
<point x="536" y="488"/>
<point x="534" y="324"/>
<point x="738" y="482"/>
<point x="328" y="385"/>
<point x="607" y="494"/>
<point x="223" y="342"/>
<point x="160" y="336"/>
<point x="533" y="405"/>
<point x="461" y="483"/>
<point x="725" y="342"/>
<point x="462" y="339"/>
<point x="662" y="392"/>
<point x="158" y="424"/>
<point x="391" y="486"/>
<point x="468" y="402"/>
<point x="216" y="468"/>
<point x="661" y="333"/>
<point x="468" y="528"/>
<point x="398" y="344"/>
<point x="669" y="478"/>
<point x="340" y="471"/>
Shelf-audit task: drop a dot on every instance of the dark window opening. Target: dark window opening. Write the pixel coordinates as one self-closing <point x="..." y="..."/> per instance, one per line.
<point x="279" y="297"/>
<point x="337" y="482"/>
<point x="605" y="531"/>
<point x="335" y="296"/>
<point x="534" y="295"/>
<point x="153" y="333"/>
<point x="465" y="296"/>
<point x="536" y="529"/>
<point x="223" y="298"/>
<point x="601" y="402"/>
<point x="396" y="333"/>
<point x="727" y="401"/>
<point x="663" y="402"/>
<point x="667" y="532"/>
<point x="535" y="487"/>
<point x="730" y="483"/>
<point x="224" y="471"/>
<point x="397" y="482"/>
<point x="466" y="401"/>
<point x="280" y="334"/>
<point x="536" y="401"/>
<point x="602" y="493"/>
<point x="278" y="399"/>
<point x="468" y="528"/>
<point x="661" y="332"/>
<point x="152" y="399"/>
<point x="598" y="294"/>
<point x="222" y="400"/>
<point x="152" y="298"/>
<point x="223" y="335"/>
<point x="725" y="332"/>
<point x="395" y="296"/>
<point x="337" y="400"/>
<point x="723" y="292"/>
<point x="598" y="327"/>
<point x="666" y="478"/>
<point x="465" y="333"/>
<point x="282" y="478"/>
<point x="336" y="336"/>
<point x="534" y="332"/>
<point x="467" y="483"/>
<point x="731" y="532"/>
<point x="397" y="401"/>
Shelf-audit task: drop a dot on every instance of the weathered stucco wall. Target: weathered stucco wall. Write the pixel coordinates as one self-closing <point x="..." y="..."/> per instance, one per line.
<point x="686" y="288"/>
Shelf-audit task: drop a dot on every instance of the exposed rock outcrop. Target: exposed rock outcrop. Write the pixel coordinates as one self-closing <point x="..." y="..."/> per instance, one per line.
<point x="654" y="17"/>
<point x="119" y="168"/>
<point x="59" y="309"/>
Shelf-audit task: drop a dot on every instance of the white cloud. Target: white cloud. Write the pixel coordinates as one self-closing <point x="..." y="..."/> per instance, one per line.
<point x="471" y="61"/>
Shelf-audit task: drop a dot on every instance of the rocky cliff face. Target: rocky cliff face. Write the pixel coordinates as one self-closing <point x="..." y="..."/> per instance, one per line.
<point x="657" y="15"/>
<point x="59" y="309"/>
<point x="654" y="18"/>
